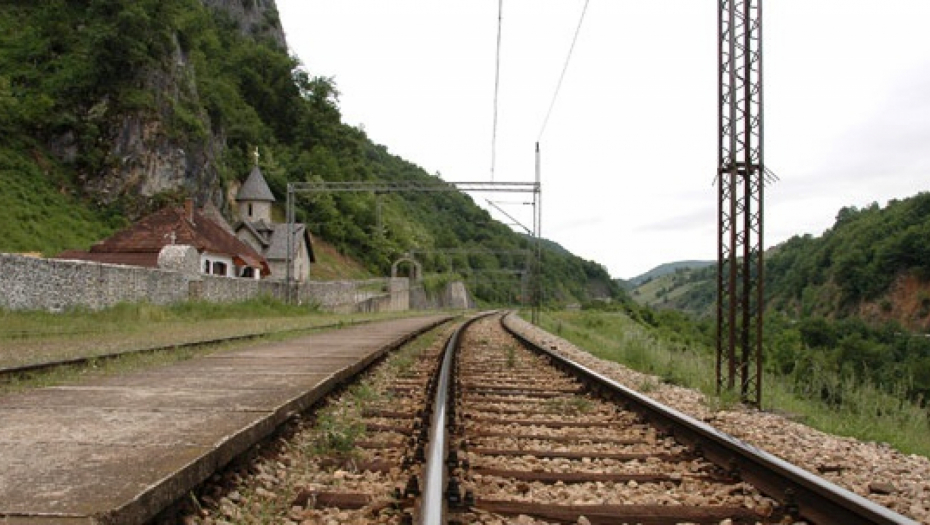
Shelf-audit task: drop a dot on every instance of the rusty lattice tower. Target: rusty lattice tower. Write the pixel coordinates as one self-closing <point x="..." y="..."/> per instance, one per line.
<point x="741" y="184"/>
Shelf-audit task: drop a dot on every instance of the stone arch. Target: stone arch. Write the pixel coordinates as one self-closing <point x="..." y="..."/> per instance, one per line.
<point x="417" y="272"/>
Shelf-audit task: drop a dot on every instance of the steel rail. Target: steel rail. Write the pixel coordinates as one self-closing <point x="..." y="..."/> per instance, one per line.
<point x="435" y="470"/>
<point x="814" y="498"/>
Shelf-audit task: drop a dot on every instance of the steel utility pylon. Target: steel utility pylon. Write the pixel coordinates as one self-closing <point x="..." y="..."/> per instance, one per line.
<point x="741" y="184"/>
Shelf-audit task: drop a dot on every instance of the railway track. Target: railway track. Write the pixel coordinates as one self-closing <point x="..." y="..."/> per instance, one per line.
<point x="537" y="436"/>
<point x="488" y="429"/>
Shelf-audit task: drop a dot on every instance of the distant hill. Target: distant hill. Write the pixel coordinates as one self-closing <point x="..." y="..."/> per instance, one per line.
<point x="688" y="288"/>
<point x="667" y="268"/>
<point x="873" y="265"/>
<point x="682" y="285"/>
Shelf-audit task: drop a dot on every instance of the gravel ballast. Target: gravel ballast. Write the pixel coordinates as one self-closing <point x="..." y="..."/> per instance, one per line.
<point x="876" y="471"/>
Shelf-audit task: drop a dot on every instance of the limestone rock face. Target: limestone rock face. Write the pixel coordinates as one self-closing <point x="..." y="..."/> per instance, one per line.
<point x="146" y="157"/>
<point x="256" y="18"/>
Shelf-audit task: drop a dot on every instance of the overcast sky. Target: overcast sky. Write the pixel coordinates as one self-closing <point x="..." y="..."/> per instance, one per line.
<point x="629" y="153"/>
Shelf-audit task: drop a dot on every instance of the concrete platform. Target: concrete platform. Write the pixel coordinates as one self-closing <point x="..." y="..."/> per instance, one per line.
<point x="120" y="449"/>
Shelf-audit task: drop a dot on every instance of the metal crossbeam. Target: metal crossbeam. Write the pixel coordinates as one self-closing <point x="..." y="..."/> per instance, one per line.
<point x="470" y="274"/>
<point x="434" y="186"/>
<point x="460" y="251"/>
<point x="412" y="186"/>
<point x="741" y="182"/>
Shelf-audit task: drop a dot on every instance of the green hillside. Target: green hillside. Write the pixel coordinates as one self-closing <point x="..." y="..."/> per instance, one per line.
<point x="681" y="285"/>
<point x="668" y="268"/>
<point x="42" y="214"/>
<point x="849" y="307"/>
<point x="855" y="301"/>
<point x="688" y="289"/>
<point x="77" y="77"/>
<point x="872" y="264"/>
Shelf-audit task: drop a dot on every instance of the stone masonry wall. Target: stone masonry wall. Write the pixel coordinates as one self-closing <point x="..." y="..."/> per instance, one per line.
<point x="28" y="283"/>
<point x="373" y="295"/>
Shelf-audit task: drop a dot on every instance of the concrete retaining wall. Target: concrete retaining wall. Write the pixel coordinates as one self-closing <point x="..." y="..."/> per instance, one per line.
<point x="454" y="296"/>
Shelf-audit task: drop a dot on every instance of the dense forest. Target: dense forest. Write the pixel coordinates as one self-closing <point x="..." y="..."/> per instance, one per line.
<point x="873" y="263"/>
<point x="850" y="305"/>
<point x="856" y="262"/>
<point x="75" y="73"/>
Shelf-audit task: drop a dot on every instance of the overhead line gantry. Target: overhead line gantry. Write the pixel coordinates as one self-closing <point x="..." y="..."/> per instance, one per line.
<point x="433" y="186"/>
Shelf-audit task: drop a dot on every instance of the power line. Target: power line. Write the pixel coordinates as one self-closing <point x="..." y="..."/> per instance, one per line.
<point x="568" y="59"/>
<point x="497" y="82"/>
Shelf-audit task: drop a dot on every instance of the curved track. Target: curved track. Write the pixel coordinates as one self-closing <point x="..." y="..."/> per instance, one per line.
<point x="532" y="434"/>
<point x="488" y="429"/>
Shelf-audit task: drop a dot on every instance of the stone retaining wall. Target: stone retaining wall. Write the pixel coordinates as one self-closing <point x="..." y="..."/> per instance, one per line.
<point x="29" y="283"/>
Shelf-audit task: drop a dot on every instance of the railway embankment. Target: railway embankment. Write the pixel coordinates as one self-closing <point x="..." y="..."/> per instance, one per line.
<point x="526" y="444"/>
<point x="876" y="471"/>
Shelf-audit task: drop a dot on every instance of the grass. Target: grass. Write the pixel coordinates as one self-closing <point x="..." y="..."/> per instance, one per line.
<point x="338" y="427"/>
<point x="103" y="367"/>
<point x="43" y="214"/>
<point x="38" y="337"/>
<point x="331" y="265"/>
<point x="568" y="405"/>
<point x="615" y="337"/>
<point x="867" y="412"/>
<point x="404" y="360"/>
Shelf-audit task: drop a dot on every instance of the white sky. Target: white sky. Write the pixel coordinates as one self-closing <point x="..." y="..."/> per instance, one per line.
<point x="629" y="153"/>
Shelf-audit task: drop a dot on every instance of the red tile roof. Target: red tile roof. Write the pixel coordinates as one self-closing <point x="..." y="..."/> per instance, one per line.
<point x="143" y="241"/>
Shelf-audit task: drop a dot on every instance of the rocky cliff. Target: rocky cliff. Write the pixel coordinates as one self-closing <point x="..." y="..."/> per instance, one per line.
<point x="171" y="147"/>
<point x="146" y="159"/>
<point x="255" y="18"/>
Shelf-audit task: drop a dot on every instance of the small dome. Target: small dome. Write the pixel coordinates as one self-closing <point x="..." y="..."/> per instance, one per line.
<point x="255" y="188"/>
<point x="179" y="257"/>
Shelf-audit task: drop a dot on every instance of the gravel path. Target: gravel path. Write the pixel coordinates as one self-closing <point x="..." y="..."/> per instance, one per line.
<point x="898" y="481"/>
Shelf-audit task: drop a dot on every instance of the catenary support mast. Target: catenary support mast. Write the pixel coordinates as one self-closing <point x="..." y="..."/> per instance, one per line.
<point x="741" y="183"/>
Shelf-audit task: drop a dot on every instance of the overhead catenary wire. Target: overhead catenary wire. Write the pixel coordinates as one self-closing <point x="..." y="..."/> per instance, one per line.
<point x="568" y="60"/>
<point x="497" y="83"/>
